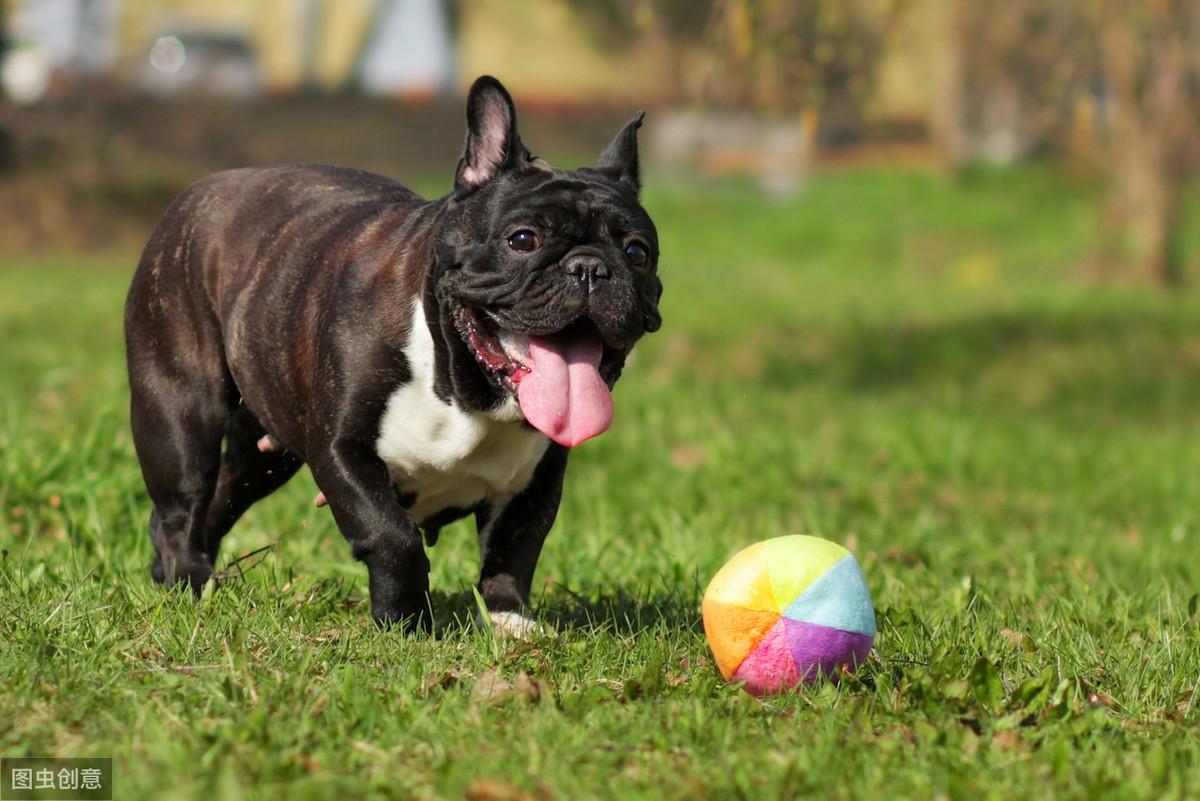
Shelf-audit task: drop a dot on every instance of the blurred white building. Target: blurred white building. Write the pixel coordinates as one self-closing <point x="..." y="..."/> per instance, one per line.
<point x="234" y="47"/>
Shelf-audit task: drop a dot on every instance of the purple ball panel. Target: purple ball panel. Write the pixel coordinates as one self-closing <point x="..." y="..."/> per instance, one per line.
<point x="820" y="650"/>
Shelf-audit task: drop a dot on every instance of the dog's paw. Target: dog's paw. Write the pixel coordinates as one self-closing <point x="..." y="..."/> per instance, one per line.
<point x="515" y="626"/>
<point x="190" y="569"/>
<point x="414" y="621"/>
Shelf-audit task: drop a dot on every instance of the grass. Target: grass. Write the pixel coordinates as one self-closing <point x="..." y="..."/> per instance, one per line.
<point x="907" y="364"/>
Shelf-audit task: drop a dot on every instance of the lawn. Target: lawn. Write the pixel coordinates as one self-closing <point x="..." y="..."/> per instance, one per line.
<point x="912" y="365"/>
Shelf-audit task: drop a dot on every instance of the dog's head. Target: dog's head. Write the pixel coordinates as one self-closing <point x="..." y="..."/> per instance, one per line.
<point x="548" y="276"/>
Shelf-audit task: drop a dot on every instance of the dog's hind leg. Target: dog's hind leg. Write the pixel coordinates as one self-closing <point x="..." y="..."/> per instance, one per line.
<point x="252" y="467"/>
<point x="181" y="397"/>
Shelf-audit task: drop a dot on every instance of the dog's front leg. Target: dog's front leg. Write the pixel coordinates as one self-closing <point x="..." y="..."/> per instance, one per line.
<point x="510" y="541"/>
<point x="380" y="531"/>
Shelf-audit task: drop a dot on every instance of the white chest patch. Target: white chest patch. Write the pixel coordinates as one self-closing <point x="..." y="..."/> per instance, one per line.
<point x="446" y="456"/>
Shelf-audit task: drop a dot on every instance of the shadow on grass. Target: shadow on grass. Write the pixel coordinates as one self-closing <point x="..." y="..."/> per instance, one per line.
<point x="566" y="610"/>
<point x="1128" y="361"/>
<point x="620" y="612"/>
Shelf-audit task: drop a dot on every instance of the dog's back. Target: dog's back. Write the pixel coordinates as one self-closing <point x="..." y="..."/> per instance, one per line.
<point x="236" y="237"/>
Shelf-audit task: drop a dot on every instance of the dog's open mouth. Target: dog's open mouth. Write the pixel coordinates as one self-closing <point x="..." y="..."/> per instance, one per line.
<point x="556" y="377"/>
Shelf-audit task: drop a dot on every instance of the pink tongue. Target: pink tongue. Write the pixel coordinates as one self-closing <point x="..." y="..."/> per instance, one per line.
<point x="563" y="395"/>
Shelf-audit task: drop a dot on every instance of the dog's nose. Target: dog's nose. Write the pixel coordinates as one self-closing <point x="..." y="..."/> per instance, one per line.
<point x="588" y="268"/>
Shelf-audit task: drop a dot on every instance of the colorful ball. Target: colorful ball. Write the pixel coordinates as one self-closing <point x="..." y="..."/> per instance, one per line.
<point x="788" y="610"/>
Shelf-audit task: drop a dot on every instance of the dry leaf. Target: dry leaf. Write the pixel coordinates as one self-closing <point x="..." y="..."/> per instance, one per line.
<point x="439" y="681"/>
<point x="490" y="687"/>
<point x="495" y="790"/>
<point x="1014" y="638"/>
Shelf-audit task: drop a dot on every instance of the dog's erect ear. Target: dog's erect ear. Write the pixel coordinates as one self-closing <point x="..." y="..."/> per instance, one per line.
<point x="620" y="159"/>
<point x="492" y="141"/>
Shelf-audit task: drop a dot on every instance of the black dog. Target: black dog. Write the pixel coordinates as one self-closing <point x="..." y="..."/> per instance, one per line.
<point x="426" y="359"/>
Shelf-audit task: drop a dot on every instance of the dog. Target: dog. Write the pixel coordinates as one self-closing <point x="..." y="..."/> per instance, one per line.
<point x="427" y="360"/>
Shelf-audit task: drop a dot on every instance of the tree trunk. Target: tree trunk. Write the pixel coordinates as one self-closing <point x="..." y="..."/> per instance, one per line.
<point x="1141" y="215"/>
<point x="1141" y="218"/>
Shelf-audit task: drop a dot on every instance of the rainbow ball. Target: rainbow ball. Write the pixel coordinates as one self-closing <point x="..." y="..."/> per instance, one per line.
<point x="788" y="610"/>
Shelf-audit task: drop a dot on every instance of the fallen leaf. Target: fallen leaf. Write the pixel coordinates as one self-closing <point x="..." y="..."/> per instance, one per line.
<point x="495" y="790"/>
<point x="439" y="681"/>
<point x="1014" y="638"/>
<point x="530" y="689"/>
<point x="687" y="457"/>
<point x="491" y="687"/>
<point x="1006" y="740"/>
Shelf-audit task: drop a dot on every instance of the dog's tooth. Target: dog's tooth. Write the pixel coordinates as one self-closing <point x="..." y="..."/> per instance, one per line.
<point x="516" y="346"/>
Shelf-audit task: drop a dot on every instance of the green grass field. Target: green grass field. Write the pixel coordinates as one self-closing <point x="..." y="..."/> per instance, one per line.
<point x="908" y="364"/>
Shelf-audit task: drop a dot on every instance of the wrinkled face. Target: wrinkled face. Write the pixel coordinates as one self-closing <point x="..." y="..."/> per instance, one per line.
<point x="550" y="277"/>
<point x="560" y="253"/>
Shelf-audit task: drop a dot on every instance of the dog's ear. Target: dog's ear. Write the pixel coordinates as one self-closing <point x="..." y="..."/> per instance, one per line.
<point x="492" y="141"/>
<point x="620" y="159"/>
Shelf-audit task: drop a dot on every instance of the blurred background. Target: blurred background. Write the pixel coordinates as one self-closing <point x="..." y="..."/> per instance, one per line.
<point x="112" y="106"/>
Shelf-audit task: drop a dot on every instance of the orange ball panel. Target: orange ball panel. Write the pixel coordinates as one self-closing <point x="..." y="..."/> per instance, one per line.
<point x="733" y="632"/>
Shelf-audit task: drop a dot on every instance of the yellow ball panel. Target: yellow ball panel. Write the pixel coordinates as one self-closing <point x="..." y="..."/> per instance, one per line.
<point x="796" y="561"/>
<point x="744" y="581"/>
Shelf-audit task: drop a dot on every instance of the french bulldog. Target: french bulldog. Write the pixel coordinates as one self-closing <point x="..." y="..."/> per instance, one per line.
<point x="427" y="359"/>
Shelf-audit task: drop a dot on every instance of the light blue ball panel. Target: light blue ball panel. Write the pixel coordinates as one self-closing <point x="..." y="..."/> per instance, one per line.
<point x="838" y="598"/>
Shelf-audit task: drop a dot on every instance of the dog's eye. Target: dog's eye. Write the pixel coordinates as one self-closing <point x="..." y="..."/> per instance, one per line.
<point x="524" y="241"/>
<point x="637" y="254"/>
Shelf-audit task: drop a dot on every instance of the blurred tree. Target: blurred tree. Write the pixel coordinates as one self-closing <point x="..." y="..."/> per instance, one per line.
<point x="1118" y="76"/>
<point x="784" y="56"/>
<point x="678" y="28"/>
<point x="770" y="74"/>
<point x="778" y="56"/>
<point x="1151" y="69"/>
<point x="1012" y="67"/>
